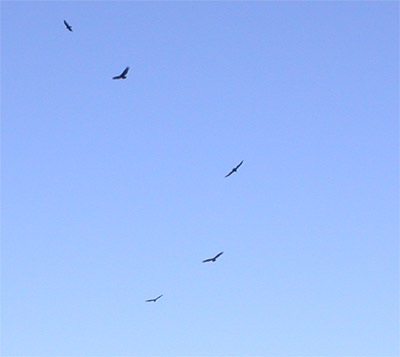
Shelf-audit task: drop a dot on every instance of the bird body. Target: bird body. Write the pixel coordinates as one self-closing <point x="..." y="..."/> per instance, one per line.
<point x="235" y="169"/>
<point x="68" y="26"/>
<point x="153" y="300"/>
<point x="213" y="259"/>
<point x="123" y="74"/>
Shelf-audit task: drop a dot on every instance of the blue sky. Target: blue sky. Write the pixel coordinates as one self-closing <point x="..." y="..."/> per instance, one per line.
<point x="113" y="192"/>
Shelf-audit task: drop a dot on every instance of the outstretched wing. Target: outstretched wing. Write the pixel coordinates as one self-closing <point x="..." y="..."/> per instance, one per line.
<point x="218" y="255"/>
<point x="125" y="72"/>
<point x="239" y="165"/>
<point x="150" y="300"/>
<point x="117" y="77"/>
<point x="208" y="260"/>
<point x="157" y="297"/>
<point x="230" y="173"/>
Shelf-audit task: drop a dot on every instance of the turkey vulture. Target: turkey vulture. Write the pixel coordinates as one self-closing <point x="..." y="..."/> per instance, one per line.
<point x="68" y="26"/>
<point x="123" y="74"/>
<point x="153" y="300"/>
<point x="213" y="259"/>
<point x="235" y="169"/>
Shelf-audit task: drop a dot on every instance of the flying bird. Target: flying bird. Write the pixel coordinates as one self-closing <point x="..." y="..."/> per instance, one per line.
<point x="235" y="169"/>
<point x="213" y="259"/>
<point x="153" y="300"/>
<point x="123" y="74"/>
<point x="68" y="26"/>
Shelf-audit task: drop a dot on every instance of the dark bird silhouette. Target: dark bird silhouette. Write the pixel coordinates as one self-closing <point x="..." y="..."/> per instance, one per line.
<point x="153" y="300"/>
<point x="235" y="169"/>
<point x="123" y="74"/>
<point x="68" y="26"/>
<point x="213" y="259"/>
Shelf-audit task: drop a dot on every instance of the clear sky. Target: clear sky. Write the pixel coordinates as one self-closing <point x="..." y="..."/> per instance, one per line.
<point x="113" y="192"/>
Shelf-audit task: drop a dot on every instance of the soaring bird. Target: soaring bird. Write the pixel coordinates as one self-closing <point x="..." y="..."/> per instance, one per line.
<point x="68" y="26"/>
<point x="123" y="74"/>
<point x="213" y="259"/>
<point x="235" y="169"/>
<point x="153" y="300"/>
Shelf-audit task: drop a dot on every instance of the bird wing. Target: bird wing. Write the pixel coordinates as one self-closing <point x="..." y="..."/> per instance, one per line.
<point x="67" y="25"/>
<point x="157" y="297"/>
<point x="207" y="260"/>
<point x="218" y="255"/>
<point x="230" y="173"/>
<point x="124" y="73"/>
<point x="239" y="165"/>
<point x="117" y="77"/>
<point x="150" y="300"/>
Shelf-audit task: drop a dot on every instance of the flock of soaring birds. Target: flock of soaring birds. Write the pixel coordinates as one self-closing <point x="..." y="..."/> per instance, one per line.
<point x="123" y="76"/>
